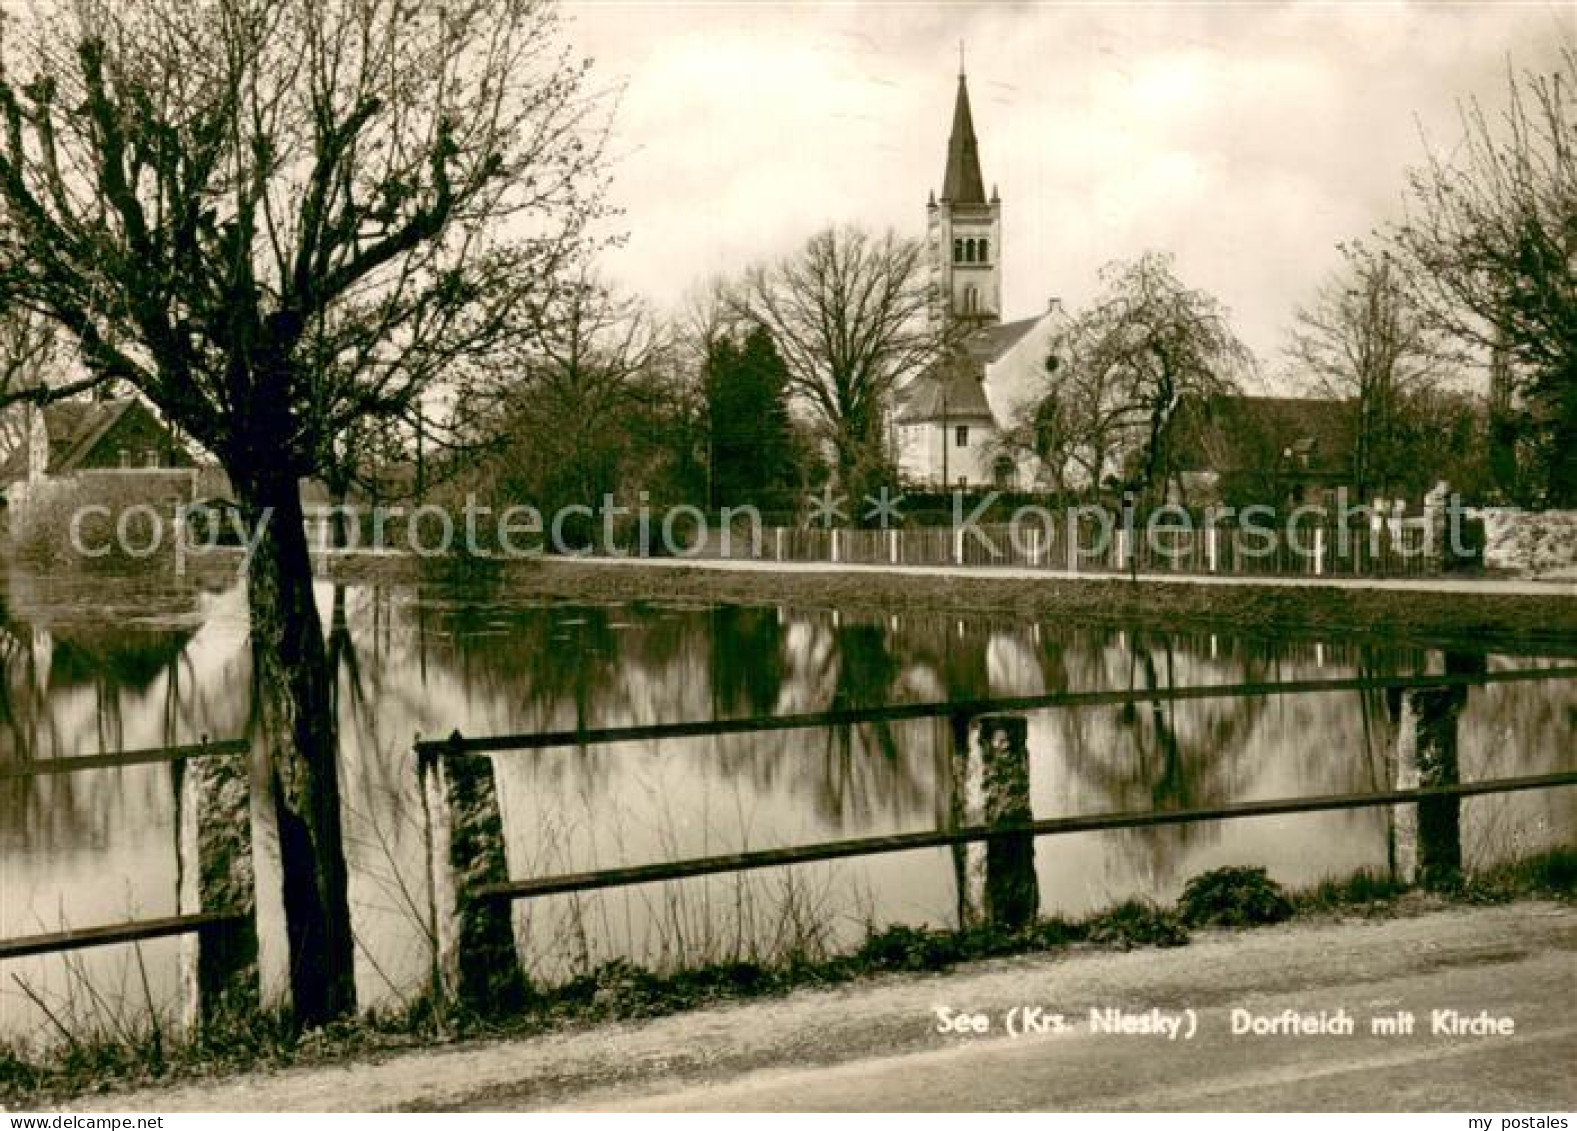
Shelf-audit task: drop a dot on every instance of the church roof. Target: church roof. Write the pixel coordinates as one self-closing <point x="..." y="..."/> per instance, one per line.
<point x="962" y="183"/>
<point x="990" y="343"/>
<point x="958" y="385"/>
<point x="946" y="391"/>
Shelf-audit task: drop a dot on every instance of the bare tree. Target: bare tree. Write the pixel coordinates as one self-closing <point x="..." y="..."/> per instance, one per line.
<point x="585" y="377"/>
<point x="709" y="314"/>
<point x="848" y="315"/>
<point x="1491" y="240"/>
<point x="1119" y="370"/>
<point x="1365" y="338"/>
<point x="29" y="349"/>
<point x="277" y="218"/>
<point x="1075" y="429"/>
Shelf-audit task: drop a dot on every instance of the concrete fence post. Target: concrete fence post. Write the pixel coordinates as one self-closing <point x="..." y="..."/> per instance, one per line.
<point x="1404" y="818"/>
<point x="833" y="542"/>
<point x="475" y="964"/>
<point x="1428" y="835"/>
<point x="995" y="880"/>
<point x="966" y="808"/>
<point x="892" y="546"/>
<point x="218" y="963"/>
<point x="778" y="541"/>
<point x="1439" y="818"/>
<point x="1319" y="551"/>
<point x="958" y="547"/>
<point x="1012" y="891"/>
<point x="1210" y="548"/>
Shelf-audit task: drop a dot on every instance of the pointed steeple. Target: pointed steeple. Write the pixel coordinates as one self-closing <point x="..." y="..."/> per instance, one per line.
<point x="964" y="230"/>
<point x="962" y="183"/>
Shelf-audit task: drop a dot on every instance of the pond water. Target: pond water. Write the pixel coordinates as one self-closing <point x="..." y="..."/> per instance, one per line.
<point x="99" y="666"/>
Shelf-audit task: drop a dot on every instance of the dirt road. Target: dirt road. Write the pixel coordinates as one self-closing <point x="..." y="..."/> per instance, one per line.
<point x="874" y="1043"/>
<point x="1528" y="1066"/>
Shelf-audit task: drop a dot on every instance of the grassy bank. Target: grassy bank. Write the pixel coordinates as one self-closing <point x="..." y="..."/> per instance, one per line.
<point x="1230" y="898"/>
<point x="1506" y="622"/>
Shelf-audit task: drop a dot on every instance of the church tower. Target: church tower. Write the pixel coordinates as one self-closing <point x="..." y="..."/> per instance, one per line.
<point x="964" y="230"/>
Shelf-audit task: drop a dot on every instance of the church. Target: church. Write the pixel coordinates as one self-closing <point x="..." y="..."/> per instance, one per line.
<point x="948" y="422"/>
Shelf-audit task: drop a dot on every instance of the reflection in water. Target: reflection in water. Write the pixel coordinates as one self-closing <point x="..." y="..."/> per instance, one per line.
<point x="169" y="666"/>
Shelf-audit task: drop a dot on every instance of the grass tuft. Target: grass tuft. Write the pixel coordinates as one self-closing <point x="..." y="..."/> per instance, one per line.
<point x="1362" y="889"/>
<point x="1550" y="874"/>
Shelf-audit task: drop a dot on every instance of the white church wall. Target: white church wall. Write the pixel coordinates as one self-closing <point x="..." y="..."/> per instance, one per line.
<point x="930" y="455"/>
<point x="1018" y="377"/>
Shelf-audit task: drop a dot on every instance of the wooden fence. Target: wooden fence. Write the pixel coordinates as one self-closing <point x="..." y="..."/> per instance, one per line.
<point x="990" y="828"/>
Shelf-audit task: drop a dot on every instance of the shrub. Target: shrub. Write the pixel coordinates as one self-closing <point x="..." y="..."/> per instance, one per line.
<point x="726" y="979"/>
<point x="1136" y="923"/>
<point x="1553" y="873"/>
<point x="40" y="521"/>
<point x="911" y="948"/>
<point x="1233" y="897"/>
<point x="1055" y="932"/>
<point x="618" y="989"/>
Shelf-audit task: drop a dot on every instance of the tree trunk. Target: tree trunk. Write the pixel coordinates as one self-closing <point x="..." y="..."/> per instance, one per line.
<point x="1563" y="454"/>
<point x="292" y="687"/>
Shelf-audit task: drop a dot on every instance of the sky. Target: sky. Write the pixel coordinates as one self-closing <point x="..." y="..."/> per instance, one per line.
<point x="1245" y="139"/>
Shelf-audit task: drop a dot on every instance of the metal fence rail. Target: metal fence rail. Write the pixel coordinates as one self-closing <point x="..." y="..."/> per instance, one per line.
<point x="934" y="838"/>
<point x="59" y="941"/>
<point x="40" y="767"/>
<point x="502" y="889"/>
<point x="592" y="736"/>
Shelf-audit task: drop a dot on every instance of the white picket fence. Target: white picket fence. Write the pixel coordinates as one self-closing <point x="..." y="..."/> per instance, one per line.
<point x="1392" y="549"/>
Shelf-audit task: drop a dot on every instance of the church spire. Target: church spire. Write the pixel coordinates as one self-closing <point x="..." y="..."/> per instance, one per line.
<point x="964" y="230"/>
<point x="962" y="183"/>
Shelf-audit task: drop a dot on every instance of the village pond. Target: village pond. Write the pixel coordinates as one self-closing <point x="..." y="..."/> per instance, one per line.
<point x="97" y="665"/>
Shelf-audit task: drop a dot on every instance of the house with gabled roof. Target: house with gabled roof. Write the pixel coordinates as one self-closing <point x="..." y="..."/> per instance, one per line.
<point x="948" y="422"/>
<point x="72" y="436"/>
<point x="1260" y="449"/>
